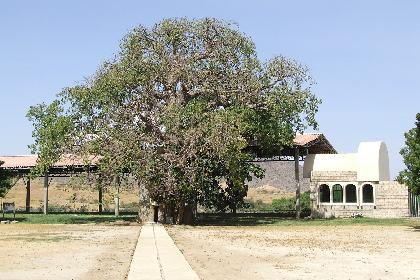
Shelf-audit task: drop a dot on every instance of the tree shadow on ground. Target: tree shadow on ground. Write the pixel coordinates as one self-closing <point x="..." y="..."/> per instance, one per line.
<point x="244" y="219"/>
<point x="416" y="228"/>
<point x="284" y="219"/>
<point x="11" y="219"/>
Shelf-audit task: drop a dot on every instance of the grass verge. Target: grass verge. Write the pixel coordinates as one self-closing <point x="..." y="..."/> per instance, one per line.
<point x="350" y="221"/>
<point x="69" y="218"/>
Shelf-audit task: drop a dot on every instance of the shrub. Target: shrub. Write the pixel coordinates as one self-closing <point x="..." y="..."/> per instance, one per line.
<point x="289" y="204"/>
<point x="283" y="204"/>
<point x="257" y="205"/>
<point x="305" y="201"/>
<point x="56" y="208"/>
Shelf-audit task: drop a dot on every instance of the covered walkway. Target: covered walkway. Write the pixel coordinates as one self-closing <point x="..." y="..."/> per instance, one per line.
<point x="21" y="167"/>
<point x="303" y="145"/>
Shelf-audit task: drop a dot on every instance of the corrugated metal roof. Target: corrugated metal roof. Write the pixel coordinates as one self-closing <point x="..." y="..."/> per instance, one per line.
<point x="18" y="161"/>
<point x="29" y="161"/>
<point x="314" y="142"/>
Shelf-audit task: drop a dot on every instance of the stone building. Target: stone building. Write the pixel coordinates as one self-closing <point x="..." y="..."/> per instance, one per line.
<point x="344" y="185"/>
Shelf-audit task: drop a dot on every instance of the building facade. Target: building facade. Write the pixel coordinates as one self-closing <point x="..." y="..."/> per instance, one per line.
<point x="345" y="185"/>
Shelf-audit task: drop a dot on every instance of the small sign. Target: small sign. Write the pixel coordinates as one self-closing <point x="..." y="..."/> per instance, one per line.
<point x="8" y="207"/>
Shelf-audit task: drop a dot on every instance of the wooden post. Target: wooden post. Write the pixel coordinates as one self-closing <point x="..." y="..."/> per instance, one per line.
<point x="100" y="199"/>
<point x="297" y="179"/>
<point x="117" y="197"/>
<point x="28" y="195"/>
<point x="46" y="194"/>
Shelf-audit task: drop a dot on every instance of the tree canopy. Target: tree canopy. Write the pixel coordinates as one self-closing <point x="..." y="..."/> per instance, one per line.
<point x="411" y="155"/>
<point x="178" y="108"/>
<point x="5" y="181"/>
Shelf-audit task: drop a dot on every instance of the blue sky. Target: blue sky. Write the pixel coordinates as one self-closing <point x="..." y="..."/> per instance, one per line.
<point x="364" y="56"/>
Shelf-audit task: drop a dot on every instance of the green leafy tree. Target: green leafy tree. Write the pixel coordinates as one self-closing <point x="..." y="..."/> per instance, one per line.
<point x="179" y="108"/>
<point x="411" y="155"/>
<point x="6" y="182"/>
<point x="52" y="131"/>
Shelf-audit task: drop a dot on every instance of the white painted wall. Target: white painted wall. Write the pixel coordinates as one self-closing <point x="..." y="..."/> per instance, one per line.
<point x="329" y="162"/>
<point x="371" y="162"/>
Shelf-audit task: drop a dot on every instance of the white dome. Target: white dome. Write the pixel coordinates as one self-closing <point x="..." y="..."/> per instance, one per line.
<point x="372" y="162"/>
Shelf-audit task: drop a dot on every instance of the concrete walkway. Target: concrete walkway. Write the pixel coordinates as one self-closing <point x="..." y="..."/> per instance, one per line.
<point x="157" y="258"/>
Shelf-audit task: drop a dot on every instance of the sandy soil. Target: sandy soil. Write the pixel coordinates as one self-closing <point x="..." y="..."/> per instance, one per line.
<point x="301" y="252"/>
<point x="66" y="251"/>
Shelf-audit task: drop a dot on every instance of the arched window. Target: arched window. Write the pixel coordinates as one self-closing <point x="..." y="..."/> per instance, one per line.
<point x="367" y="193"/>
<point x="337" y="193"/>
<point x="351" y="196"/>
<point x="324" y="194"/>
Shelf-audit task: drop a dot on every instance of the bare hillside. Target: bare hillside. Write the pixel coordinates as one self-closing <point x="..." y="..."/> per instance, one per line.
<point x="279" y="177"/>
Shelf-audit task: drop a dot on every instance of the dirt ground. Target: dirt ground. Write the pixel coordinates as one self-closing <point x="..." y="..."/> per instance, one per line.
<point x="301" y="252"/>
<point x="66" y="251"/>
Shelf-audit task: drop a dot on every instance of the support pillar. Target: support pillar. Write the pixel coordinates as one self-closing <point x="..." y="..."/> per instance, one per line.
<point x="28" y="195"/>
<point x="46" y="194"/>
<point x="297" y="179"/>
<point x="100" y="199"/>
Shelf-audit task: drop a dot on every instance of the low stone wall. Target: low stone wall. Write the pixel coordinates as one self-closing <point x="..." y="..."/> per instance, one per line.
<point x="390" y="198"/>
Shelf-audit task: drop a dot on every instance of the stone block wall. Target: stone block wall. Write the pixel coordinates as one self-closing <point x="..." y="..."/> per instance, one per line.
<point x="390" y="198"/>
<point x="333" y="176"/>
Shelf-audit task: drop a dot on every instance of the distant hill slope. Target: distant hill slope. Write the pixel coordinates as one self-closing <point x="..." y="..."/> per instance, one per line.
<point x="280" y="177"/>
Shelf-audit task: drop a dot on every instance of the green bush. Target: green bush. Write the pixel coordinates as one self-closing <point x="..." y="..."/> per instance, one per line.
<point x="305" y="201"/>
<point x="289" y="204"/>
<point x="283" y="204"/>
<point x="57" y="208"/>
<point x="257" y="206"/>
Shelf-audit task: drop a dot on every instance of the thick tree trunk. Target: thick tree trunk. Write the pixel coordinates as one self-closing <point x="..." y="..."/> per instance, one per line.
<point x="117" y="196"/>
<point x="185" y="215"/>
<point x="180" y="214"/>
<point x="145" y="213"/>
<point x="171" y="214"/>
<point x="188" y="215"/>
